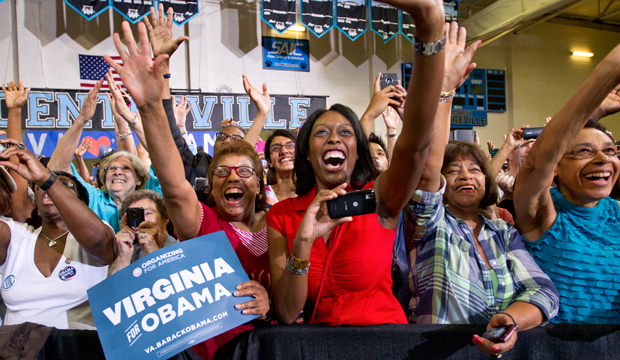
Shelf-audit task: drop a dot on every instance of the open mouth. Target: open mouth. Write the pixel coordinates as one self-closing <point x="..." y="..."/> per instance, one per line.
<point x="233" y="194"/>
<point x="466" y="188"/>
<point x="334" y="160"/>
<point x="118" y="181"/>
<point x="286" y="161"/>
<point x="600" y="177"/>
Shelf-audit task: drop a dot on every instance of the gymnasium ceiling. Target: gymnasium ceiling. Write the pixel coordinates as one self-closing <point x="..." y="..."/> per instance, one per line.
<point x="489" y="19"/>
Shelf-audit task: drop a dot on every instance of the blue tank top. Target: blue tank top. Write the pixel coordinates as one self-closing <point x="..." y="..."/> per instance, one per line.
<point x="581" y="254"/>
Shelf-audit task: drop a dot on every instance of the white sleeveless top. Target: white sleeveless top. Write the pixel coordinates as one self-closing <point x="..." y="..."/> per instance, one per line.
<point x="59" y="300"/>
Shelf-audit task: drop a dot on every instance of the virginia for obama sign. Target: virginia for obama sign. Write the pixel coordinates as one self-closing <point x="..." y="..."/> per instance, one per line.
<point x="170" y="300"/>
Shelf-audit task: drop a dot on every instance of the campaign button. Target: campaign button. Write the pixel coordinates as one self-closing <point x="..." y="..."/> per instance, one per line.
<point x="8" y="282"/>
<point x="67" y="273"/>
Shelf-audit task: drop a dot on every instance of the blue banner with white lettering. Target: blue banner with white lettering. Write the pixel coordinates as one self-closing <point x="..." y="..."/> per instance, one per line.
<point x="169" y="300"/>
<point x="286" y="54"/>
<point x="182" y="10"/>
<point x="133" y="10"/>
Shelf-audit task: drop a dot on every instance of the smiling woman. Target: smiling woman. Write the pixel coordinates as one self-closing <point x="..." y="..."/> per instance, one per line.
<point x="338" y="271"/>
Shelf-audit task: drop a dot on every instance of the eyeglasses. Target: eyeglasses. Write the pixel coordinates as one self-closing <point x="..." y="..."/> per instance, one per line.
<point x="277" y="148"/>
<point x="588" y="152"/>
<point x="222" y="136"/>
<point x="243" y="171"/>
<point x="124" y="169"/>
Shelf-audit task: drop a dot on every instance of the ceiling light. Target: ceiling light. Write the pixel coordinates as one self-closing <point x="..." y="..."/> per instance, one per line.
<point x="297" y="28"/>
<point x="582" y="54"/>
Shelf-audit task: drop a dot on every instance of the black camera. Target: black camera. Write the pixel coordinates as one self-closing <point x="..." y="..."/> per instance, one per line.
<point x="200" y="183"/>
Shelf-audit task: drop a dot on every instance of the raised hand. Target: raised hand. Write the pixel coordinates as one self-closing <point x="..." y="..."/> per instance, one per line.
<point x="381" y="99"/>
<point x="28" y="166"/>
<point x="260" y="304"/>
<point x="458" y="63"/>
<point x="609" y="106"/>
<point x="15" y="97"/>
<point x="90" y="103"/>
<point x="261" y="100"/>
<point x="180" y="110"/>
<point x="143" y="77"/>
<point x="514" y="139"/>
<point x="316" y="222"/>
<point x="227" y="122"/>
<point x="160" y="32"/>
<point x="83" y="148"/>
<point x="391" y="118"/>
<point x="117" y="101"/>
<point x="147" y="237"/>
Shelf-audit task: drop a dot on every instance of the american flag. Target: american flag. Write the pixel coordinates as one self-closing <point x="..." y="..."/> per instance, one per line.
<point x="93" y="68"/>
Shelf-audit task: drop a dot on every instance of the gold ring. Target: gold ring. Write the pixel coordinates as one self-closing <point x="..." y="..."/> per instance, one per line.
<point x="143" y="236"/>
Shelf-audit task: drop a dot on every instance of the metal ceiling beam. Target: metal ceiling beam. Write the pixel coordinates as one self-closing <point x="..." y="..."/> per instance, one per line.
<point x="555" y="13"/>
<point x="606" y="7"/>
<point x="607" y="16"/>
<point x="506" y="15"/>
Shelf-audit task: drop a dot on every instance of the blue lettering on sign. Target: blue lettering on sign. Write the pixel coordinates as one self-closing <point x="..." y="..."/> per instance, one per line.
<point x="8" y="282"/>
<point x="298" y="111"/>
<point x="244" y="110"/>
<point x="271" y="124"/>
<point x="39" y="111"/>
<point x="227" y="102"/>
<point x="202" y="118"/>
<point x="67" y="273"/>
<point x="67" y="108"/>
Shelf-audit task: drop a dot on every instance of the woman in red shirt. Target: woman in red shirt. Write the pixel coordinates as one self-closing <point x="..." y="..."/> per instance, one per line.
<point x="348" y="280"/>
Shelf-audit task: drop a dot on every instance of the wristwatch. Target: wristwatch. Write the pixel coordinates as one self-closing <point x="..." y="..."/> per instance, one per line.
<point x="429" y="49"/>
<point x="48" y="183"/>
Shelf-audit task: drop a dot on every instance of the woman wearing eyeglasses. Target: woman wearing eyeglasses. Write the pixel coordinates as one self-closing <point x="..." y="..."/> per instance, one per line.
<point x="280" y="155"/>
<point x="573" y="229"/>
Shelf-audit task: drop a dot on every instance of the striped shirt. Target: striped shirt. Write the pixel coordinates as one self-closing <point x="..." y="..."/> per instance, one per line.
<point x="452" y="284"/>
<point x="255" y="242"/>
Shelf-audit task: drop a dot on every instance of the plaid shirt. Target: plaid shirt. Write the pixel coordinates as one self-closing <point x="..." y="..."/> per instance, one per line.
<point x="452" y="284"/>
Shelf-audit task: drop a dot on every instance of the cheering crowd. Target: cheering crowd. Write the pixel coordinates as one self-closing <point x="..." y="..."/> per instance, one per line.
<point x="454" y="239"/>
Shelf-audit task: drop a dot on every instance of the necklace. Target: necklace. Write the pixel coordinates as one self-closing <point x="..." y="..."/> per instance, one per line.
<point x="52" y="242"/>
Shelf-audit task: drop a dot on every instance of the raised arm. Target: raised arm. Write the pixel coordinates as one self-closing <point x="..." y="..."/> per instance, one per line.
<point x="96" y="238"/>
<point x="144" y="80"/>
<point x="181" y="109"/>
<point x="535" y="212"/>
<point x="512" y="141"/>
<point x="391" y="119"/>
<point x="380" y="100"/>
<point x="79" y="158"/>
<point x="421" y="110"/>
<point x="63" y="154"/>
<point x="263" y="106"/>
<point x="15" y="98"/>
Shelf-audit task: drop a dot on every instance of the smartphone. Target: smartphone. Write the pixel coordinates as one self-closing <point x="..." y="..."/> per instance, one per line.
<point x="135" y="217"/>
<point x="494" y="152"/>
<point x="352" y="204"/>
<point x="388" y="79"/>
<point x="499" y="334"/>
<point x="200" y="183"/>
<point x="464" y="135"/>
<point x="531" y="133"/>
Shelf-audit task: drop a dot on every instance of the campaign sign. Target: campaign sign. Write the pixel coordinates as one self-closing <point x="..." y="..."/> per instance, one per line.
<point x="286" y="54"/>
<point x="170" y="300"/>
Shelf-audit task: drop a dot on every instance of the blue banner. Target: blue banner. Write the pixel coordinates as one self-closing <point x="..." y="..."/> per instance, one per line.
<point x="133" y="10"/>
<point x="351" y="17"/>
<point x="279" y="14"/>
<point x="286" y="54"/>
<point x="169" y="300"/>
<point x="467" y="119"/>
<point x="317" y="15"/>
<point x="43" y="142"/>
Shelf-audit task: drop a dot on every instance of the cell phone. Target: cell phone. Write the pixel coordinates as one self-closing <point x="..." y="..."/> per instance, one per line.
<point x="499" y="334"/>
<point x="388" y="79"/>
<point x="494" y="152"/>
<point x="200" y="183"/>
<point x="264" y="163"/>
<point x="352" y="204"/>
<point x="464" y="135"/>
<point x="531" y="133"/>
<point x="135" y="217"/>
<point x="127" y="101"/>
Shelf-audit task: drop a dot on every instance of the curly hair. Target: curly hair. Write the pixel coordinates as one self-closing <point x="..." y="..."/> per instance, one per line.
<point x="142" y="174"/>
<point x="243" y="148"/>
<point x="456" y="149"/>
<point x="364" y="170"/>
